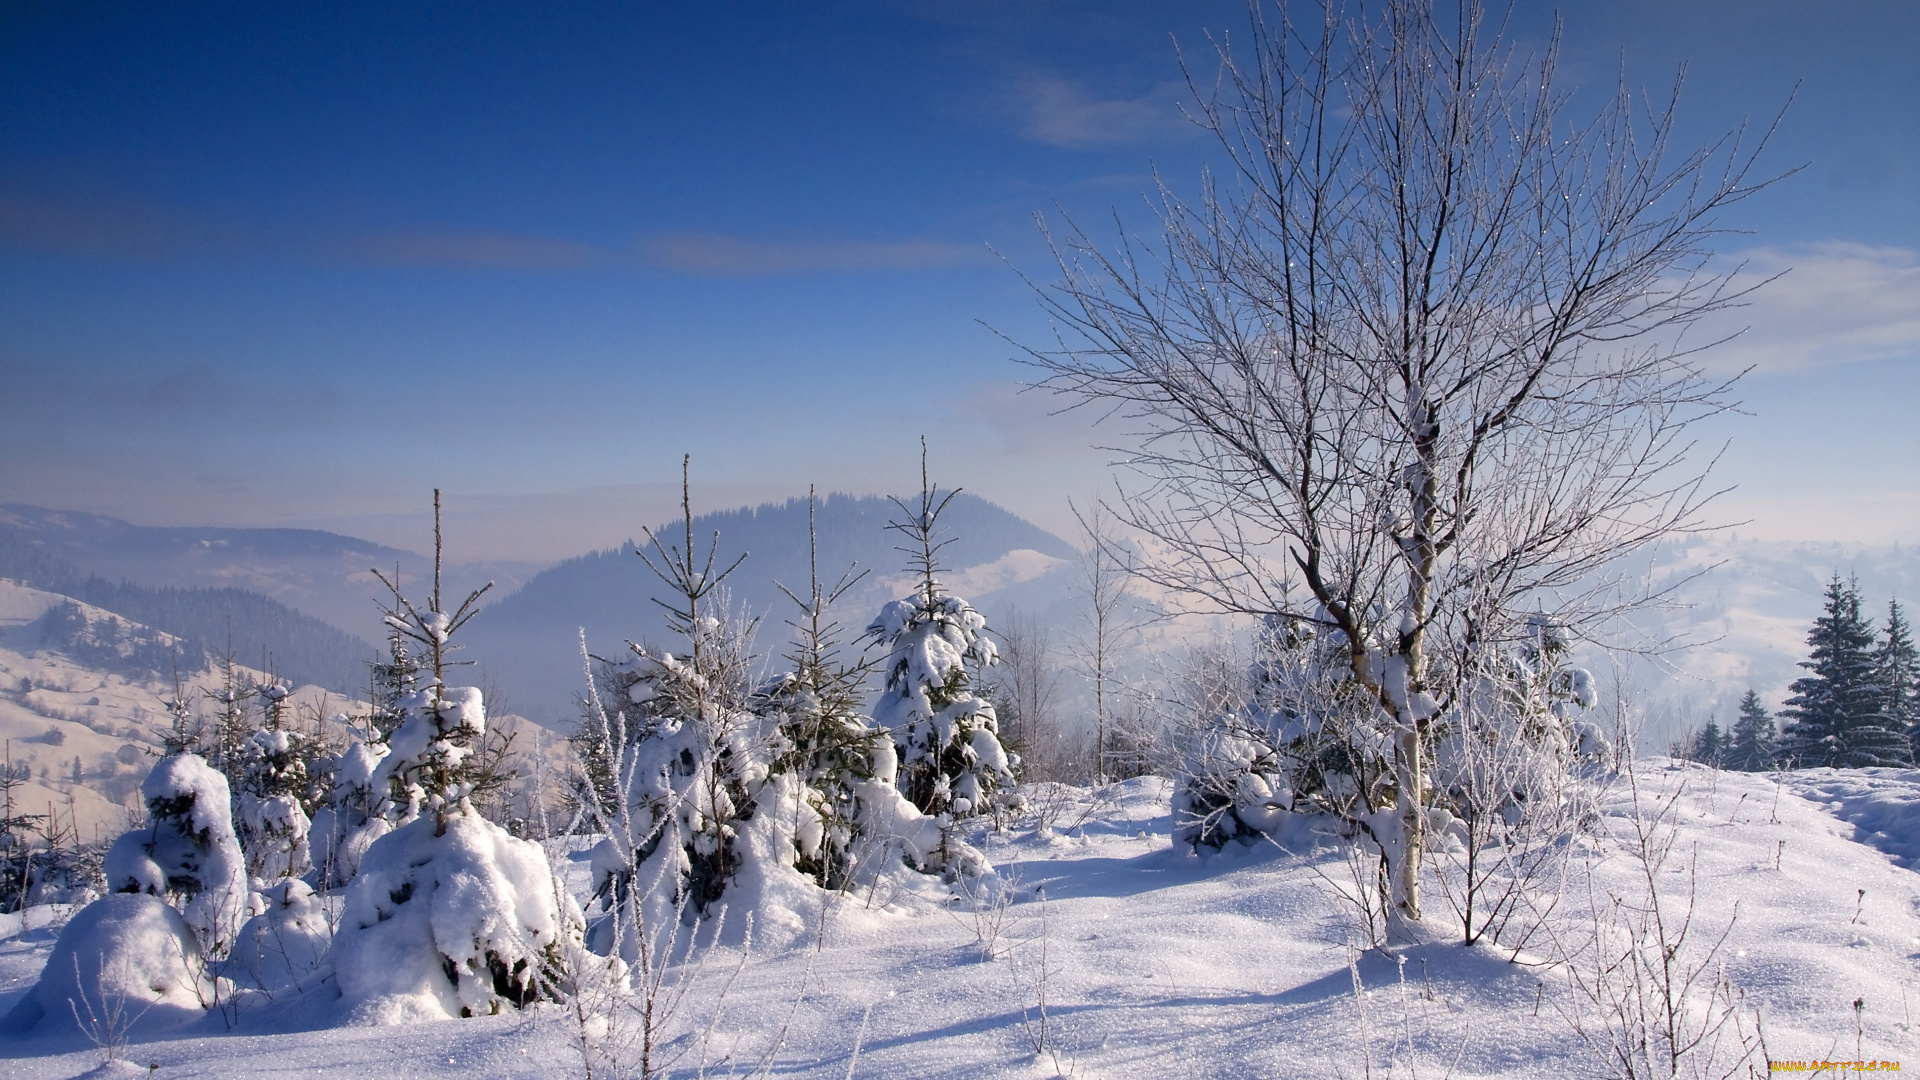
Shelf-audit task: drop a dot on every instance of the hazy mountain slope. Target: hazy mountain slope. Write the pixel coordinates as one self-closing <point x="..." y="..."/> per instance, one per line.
<point x="322" y="574"/>
<point x="261" y="631"/>
<point x="1748" y="604"/>
<point x="529" y="641"/>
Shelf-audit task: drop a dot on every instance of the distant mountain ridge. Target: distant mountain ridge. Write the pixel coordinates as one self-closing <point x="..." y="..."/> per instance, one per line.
<point x="530" y="639"/>
<point x="200" y="621"/>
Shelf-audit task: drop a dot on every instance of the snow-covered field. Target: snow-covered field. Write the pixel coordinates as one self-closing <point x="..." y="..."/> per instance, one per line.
<point x="1154" y="962"/>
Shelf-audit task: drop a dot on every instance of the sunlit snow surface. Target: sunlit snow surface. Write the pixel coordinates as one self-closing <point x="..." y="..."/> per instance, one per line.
<point x="1163" y="964"/>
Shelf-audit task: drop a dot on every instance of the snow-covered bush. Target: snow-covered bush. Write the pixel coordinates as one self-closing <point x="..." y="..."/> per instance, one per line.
<point x="1300" y="736"/>
<point x="287" y="943"/>
<point x="130" y="954"/>
<point x="187" y="852"/>
<point x="1509" y="784"/>
<point x="460" y="921"/>
<point x="1282" y="735"/>
<point x="351" y="820"/>
<point x="273" y="824"/>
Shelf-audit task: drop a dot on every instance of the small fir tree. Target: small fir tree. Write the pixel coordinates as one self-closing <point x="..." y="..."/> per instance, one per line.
<point x="429" y="758"/>
<point x="951" y="761"/>
<point x="1751" y="743"/>
<point x="682" y="728"/>
<point x="274" y="823"/>
<point x="186" y="734"/>
<point x="821" y="740"/>
<point x="232" y="722"/>
<point x="448" y="914"/>
<point x="1711" y="745"/>
<point x="391" y="682"/>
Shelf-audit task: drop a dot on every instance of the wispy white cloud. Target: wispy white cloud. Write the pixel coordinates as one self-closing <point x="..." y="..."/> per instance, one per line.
<point x="1066" y="113"/>
<point x="724" y="255"/>
<point x="122" y="227"/>
<point x="492" y="250"/>
<point x="1833" y="304"/>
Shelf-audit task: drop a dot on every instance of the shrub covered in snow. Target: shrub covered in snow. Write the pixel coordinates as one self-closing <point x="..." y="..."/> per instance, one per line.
<point x="130" y="954"/>
<point x="444" y="922"/>
<point x="351" y="819"/>
<point x="1300" y="736"/>
<point x="287" y="943"/>
<point x="187" y="852"/>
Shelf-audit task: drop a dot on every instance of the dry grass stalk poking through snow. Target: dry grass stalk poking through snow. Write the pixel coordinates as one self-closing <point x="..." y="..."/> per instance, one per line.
<point x="1647" y="989"/>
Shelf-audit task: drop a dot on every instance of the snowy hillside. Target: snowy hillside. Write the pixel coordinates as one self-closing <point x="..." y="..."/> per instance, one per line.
<point x="83" y="730"/>
<point x="1152" y="962"/>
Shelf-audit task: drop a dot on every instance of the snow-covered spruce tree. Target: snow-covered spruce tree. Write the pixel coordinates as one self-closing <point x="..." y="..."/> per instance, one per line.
<point x="826" y="758"/>
<point x="834" y="774"/>
<point x="232" y="721"/>
<point x="1413" y="368"/>
<point x="272" y="767"/>
<point x="186" y="733"/>
<point x="449" y="915"/>
<point x="187" y="853"/>
<point x="1834" y="714"/>
<point x="1897" y="671"/>
<point x="952" y="765"/>
<point x="1750" y="745"/>
<point x="681" y="756"/>
<point x="390" y="683"/>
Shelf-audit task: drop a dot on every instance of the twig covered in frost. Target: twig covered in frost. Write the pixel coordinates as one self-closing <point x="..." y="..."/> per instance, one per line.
<point x="1648" y="992"/>
<point x="988" y="904"/>
<point x="108" y="1015"/>
<point x="1034" y="1020"/>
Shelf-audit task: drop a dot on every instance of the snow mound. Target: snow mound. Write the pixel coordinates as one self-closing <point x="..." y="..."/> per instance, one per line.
<point x="1882" y="805"/>
<point x="466" y="923"/>
<point x="286" y="944"/>
<point x="128" y="952"/>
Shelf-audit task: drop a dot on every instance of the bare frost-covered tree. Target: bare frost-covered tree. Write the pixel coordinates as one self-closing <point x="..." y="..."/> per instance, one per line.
<point x="1106" y="626"/>
<point x="1417" y="366"/>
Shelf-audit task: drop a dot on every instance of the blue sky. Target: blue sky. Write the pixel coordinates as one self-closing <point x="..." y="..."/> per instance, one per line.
<point x="300" y="263"/>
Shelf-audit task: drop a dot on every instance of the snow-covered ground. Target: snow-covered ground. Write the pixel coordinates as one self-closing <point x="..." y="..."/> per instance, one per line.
<point x="1154" y="962"/>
